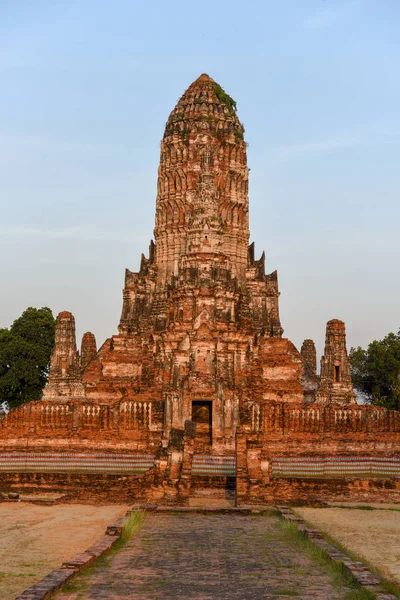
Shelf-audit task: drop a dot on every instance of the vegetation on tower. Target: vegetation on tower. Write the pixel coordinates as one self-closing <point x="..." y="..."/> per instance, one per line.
<point x="224" y="97"/>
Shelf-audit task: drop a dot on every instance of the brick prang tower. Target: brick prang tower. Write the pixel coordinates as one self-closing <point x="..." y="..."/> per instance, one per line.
<point x="336" y="383"/>
<point x="65" y="381"/>
<point x="200" y="338"/>
<point x="309" y="354"/>
<point x="202" y="224"/>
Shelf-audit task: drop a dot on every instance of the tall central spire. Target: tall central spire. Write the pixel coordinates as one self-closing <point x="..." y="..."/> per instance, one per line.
<point x="203" y="145"/>
<point x="204" y="230"/>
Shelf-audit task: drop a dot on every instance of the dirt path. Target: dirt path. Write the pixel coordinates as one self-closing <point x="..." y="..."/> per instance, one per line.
<point x="374" y="535"/>
<point x="36" y="539"/>
<point x="205" y="557"/>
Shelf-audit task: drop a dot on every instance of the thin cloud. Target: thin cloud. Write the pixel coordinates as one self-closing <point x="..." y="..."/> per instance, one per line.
<point x="320" y="21"/>
<point x="364" y="137"/>
<point x="18" y="55"/>
<point x="321" y="146"/>
<point x="44" y="143"/>
<point x="72" y="233"/>
<point x="328" y="17"/>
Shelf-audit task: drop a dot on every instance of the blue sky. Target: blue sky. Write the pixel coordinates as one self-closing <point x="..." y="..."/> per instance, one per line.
<point x="87" y="86"/>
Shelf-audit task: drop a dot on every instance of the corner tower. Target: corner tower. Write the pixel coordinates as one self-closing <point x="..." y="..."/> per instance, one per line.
<point x="65" y="381"/>
<point x="336" y="386"/>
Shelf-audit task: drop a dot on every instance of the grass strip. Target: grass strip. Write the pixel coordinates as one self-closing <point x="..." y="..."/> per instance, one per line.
<point x="335" y="571"/>
<point x="388" y="586"/>
<point x="131" y="525"/>
<point x="363" y="507"/>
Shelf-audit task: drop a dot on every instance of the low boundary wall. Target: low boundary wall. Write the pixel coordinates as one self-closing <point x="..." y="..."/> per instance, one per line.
<point x="60" y="462"/>
<point x="336" y="466"/>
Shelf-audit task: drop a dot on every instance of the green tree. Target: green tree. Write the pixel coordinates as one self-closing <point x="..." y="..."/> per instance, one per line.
<point x="25" y="351"/>
<point x="376" y="371"/>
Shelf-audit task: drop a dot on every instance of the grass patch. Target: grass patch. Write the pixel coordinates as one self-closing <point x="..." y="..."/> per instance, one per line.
<point x="132" y="525"/>
<point x="301" y="571"/>
<point x="363" y="507"/>
<point x="286" y="592"/>
<point x="4" y="575"/>
<point x="335" y="571"/>
<point x="388" y="586"/>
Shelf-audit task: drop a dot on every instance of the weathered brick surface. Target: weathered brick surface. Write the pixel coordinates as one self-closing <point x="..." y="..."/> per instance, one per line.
<point x="48" y="585"/>
<point x="101" y="546"/>
<point x="315" y="433"/>
<point x="309" y="354"/>
<point x="84" y="559"/>
<point x="88" y="349"/>
<point x="84" y="487"/>
<point x="208" y="556"/>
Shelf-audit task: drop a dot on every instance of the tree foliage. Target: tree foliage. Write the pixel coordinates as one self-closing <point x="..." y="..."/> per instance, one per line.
<point x="376" y="371"/>
<point x="25" y="350"/>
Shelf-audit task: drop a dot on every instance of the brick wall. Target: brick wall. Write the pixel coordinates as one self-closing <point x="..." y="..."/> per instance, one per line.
<point x="83" y="426"/>
<point x="284" y="452"/>
<point x="297" y="453"/>
<point x="83" y="487"/>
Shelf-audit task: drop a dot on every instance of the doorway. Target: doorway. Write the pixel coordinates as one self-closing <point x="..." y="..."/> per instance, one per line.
<point x="202" y="416"/>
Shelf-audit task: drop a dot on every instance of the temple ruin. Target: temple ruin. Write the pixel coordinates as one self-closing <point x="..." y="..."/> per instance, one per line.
<point x="200" y="381"/>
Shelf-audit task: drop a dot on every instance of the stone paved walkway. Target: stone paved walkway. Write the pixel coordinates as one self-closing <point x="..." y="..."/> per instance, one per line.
<point x="206" y="557"/>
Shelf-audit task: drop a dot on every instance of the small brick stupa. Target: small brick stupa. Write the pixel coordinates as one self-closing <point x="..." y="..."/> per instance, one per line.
<point x="200" y="338"/>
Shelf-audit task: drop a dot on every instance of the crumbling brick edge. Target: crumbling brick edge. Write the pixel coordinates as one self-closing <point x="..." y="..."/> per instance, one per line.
<point x="47" y="586"/>
<point x="366" y="579"/>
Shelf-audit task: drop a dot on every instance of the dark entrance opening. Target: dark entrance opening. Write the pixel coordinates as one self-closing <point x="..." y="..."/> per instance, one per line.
<point x="202" y="416"/>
